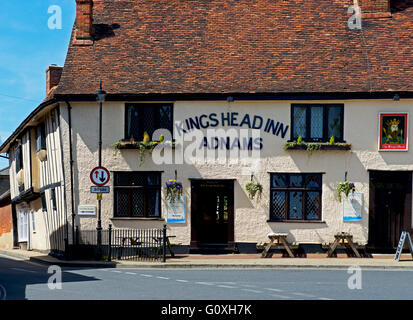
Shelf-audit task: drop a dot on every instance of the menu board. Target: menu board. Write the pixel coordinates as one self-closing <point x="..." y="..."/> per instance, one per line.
<point x="353" y="206"/>
<point x="175" y="211"/>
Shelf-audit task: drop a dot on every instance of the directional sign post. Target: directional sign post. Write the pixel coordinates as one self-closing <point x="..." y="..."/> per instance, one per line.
<point x="100" y="176"/>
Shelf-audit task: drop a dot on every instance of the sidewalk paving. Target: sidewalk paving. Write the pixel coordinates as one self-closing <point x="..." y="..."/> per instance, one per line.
<point x="228" y="261"/>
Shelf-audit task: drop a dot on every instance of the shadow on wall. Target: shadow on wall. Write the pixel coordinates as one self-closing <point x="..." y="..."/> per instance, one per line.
<point x="58" y="242"/>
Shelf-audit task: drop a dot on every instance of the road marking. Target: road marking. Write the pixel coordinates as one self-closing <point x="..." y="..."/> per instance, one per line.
<point x="24" y="270"/>
<point x="130" y="273"/>
<point x="325" y="299"/>
<point x="181" y="280"/>
<point x="303" y="294"/>
<point x="280" y="296"/>
<point x="252" y="290"/>
<point x="205" y="283"/>
<point x="222" y="286"/>
<point x="163" y="278"/>
<point x="271" y="289"/>
<point x="11" y="258"/>
<point x="146" y="275"/>
<point x="116" y="271"/>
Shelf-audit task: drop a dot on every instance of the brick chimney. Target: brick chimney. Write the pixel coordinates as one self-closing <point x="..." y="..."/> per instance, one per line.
<point x="84" y="19"/>
<point x="379" y="8"/>
<point x="53" y="74"/>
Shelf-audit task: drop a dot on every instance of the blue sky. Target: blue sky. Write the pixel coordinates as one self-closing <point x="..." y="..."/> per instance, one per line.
<point x="27" y="48"/>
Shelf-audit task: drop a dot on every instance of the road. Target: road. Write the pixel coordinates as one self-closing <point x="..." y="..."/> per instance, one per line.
<point x="23" y="280"/>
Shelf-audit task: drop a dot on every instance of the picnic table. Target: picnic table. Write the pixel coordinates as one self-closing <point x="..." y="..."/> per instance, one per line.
<point x="168" y="243"/>
<point x="278" y="241"/>
<point x="346" y="240"/>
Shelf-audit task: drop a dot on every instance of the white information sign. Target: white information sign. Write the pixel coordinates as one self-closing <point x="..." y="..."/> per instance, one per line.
<point x="175" y="211"/>
<point x="86" y="210"/>
<point x="353" y="206"/>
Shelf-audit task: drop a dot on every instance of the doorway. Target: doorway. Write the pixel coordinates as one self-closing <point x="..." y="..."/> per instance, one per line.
<point x="390" y="208"/>
<point x="212" y="215"/>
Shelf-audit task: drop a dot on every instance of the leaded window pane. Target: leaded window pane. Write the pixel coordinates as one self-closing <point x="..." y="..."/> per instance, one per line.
<point x="278" y="205"/>
<point x="334" y="123"/>
<point x="313" y="181"/>
<point x="122" y="203"/>
<point x="133" y="122"/>
<point x="300" y="116"/>
<point x="296" y="205"/>
<point x="316" y="124"/>
<point x="313" y="205"/>
<point x="296" y="180"/>
<point x="165" y="117"/>
<point x="137" y="203"/>
<point x="279" y="180"/>
<point x="153" y="203"/>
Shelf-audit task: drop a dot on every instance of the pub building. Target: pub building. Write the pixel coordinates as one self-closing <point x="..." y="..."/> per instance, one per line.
<point x="314" y="102"/>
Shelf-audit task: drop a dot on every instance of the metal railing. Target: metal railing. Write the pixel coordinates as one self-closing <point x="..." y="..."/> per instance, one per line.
<point x="121" y="244"/>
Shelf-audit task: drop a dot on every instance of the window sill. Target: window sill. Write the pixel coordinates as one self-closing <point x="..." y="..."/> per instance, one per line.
<point x="137" y="218"/>
<point x="127" y="145"/>
<point x="298" y="221"/>
<point x="316" y="146"/>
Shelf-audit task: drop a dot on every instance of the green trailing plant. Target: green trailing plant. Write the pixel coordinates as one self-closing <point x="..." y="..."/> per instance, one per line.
<point x="253" y="189"/>
<point x="346" y="188"/>
<point x="173" y="190"/>
<point x="313" y="146"/>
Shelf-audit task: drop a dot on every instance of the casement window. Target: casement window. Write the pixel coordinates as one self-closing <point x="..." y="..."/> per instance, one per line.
<point x="295" y="196"/>
<point x="40" y="137"/>
<point x="18" y="156"/>
<point x="53" y="195"/>
<point x="147" y="117"/>
<point x="44" y="205"/>
<point x="137" y="194"/>
<point x="317" y="122"/>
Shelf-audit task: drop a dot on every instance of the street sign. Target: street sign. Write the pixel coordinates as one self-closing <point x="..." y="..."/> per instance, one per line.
<point x="401" y="245"/>
<point x="96" y="189"/>
<point x="100" y="176"/>
<point x="86" y="210"/>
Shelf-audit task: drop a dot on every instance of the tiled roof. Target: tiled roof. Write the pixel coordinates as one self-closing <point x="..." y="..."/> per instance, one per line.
<point x="241" y="46"/>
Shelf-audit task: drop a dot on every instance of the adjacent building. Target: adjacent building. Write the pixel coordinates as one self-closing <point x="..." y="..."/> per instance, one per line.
<point x="311" y="102"/>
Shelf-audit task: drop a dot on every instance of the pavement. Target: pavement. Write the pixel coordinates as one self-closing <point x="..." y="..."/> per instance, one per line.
<point x="377" y="261"/>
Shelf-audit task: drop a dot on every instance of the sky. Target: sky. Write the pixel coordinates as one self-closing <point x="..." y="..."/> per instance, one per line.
<point x="31" y="39"/>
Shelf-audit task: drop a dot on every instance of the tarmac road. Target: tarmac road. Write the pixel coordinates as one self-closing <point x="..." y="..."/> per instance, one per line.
<point x="25" y="280"/>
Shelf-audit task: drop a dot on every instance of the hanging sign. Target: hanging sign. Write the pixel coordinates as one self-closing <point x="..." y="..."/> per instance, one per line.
<point x="393" y="131"/>
<point x="401" y="245"/>
<point x="175" y="211"/>
<point x="100" y="176"/>
<point x="352" y="206"/>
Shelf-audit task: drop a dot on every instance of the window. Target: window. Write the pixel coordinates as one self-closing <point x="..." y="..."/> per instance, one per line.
<point x="137" y="194"/>
<point x="295" y="196"/>
<point x="147" y="117"/>
<point x="317" y="122"/>
<point x="19" y="158"/>
<point x="43" y="197"/>
<point x="40" y="138"/>
<point x="53" y="194"/>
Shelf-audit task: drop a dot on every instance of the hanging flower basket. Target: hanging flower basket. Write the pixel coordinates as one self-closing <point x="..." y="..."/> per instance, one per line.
<point x="346" y="188"/>
<point x="253" y="188"/>
<point x="173" y="190"/>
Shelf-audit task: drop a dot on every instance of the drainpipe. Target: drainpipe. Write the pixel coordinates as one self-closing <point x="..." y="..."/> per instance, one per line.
<point x="69" y="107"/>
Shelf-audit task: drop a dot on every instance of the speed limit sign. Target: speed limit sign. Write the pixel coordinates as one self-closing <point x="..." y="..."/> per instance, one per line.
<point x="100" y="176"/>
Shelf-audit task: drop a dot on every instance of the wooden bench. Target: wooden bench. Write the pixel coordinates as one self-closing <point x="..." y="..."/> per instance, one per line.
<point x="277" y="241"/>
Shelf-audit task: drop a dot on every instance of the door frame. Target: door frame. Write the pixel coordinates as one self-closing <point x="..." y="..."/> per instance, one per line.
<point x="194" y="244"/>
<point x="407" y="214"/>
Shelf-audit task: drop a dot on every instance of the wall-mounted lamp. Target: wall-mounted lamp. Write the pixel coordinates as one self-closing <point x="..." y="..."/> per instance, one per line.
<point x="230" y="99"/>
<point x="396" y="97"/>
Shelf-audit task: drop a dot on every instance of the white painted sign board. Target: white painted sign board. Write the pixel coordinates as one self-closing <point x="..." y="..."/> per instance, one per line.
<point x="401" y="245"/>
<point x="352" y="206"/>
<point x="175" y="211"/>
<point x="86" y="210"/>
